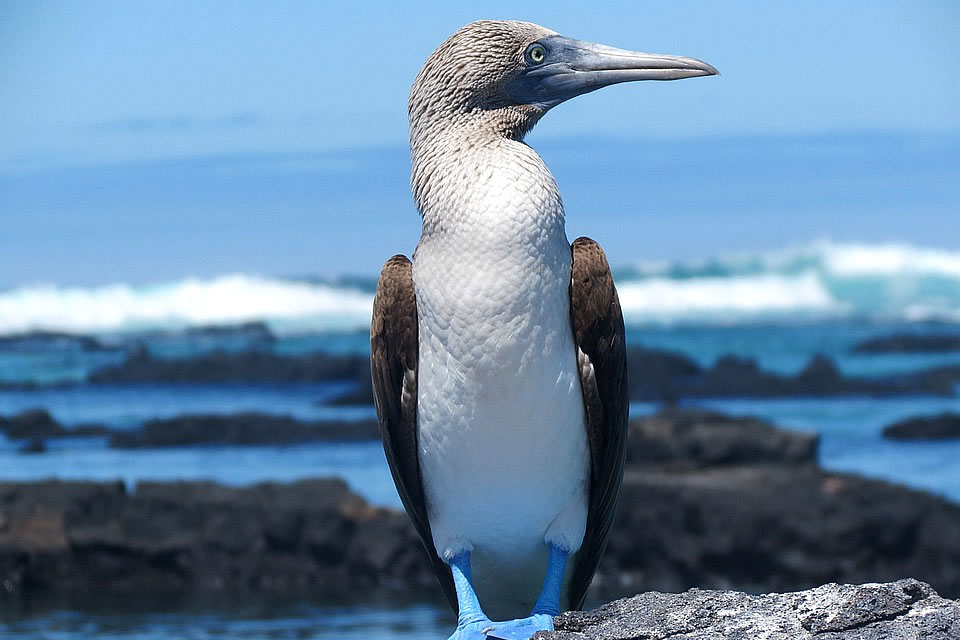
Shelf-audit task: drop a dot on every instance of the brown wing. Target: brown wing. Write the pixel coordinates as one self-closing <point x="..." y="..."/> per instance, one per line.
<point x="393" y="365"/>
<point x="602" y="359"/>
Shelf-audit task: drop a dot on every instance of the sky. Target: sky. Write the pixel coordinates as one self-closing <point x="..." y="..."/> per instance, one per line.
<point x="151" y="141"/>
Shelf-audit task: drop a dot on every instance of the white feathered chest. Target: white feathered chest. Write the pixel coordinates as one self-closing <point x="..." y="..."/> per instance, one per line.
<point x="502" y="445"/>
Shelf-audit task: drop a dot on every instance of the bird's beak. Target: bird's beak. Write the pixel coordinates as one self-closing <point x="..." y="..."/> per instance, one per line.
<point x="573" y="67"/>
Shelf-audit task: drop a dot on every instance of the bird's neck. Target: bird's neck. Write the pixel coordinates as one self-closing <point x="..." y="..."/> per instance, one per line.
<point x="478" y="173"/>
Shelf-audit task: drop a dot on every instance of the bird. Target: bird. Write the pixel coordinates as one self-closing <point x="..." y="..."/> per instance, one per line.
<point x="497" y="354"/>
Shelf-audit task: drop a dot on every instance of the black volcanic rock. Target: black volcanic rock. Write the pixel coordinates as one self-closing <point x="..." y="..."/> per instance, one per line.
<point x="944" y="377"/>
<point x="659" y="375"/>
<point x="32" y="423"/>
<point x="224" y="366"/>
<point x="909" y="343"/>
<point x="39" y="424"/>
<point x="246" y="428"/>
<point x="902" y="610"/>
<point x="705" y="506"/>
<point x="820" y="375"/>
<point x="769" y="527"/>
<point x="732" y="376"/>
<point x="663" y="376"/>
<point x="691" y="438"/>
<point x="312" y="537"/>
<point x="939" y="427"/>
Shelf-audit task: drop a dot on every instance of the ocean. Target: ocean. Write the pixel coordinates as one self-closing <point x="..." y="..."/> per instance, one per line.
<point x="779" y="308"/>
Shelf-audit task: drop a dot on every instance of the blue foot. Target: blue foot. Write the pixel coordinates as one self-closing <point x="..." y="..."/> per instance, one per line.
<point x="520" y="629"/>
<point x="471" y="630"/>
<point x="472" y="622"/>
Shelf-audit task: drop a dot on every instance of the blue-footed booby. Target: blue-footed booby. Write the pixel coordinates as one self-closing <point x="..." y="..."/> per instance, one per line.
<point x="498" y="357"/>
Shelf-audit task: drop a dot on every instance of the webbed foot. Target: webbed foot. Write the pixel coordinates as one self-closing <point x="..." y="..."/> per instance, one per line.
<point x="471" y="630"/>
<point x="472" y="622"/>
<point x="520" y="629"/>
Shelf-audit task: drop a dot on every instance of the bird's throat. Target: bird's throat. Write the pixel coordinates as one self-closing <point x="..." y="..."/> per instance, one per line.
<point x="484" y="184"/>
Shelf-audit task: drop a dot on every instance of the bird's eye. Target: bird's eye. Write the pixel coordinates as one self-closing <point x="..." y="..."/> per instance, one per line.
<point x="536" y="53"/>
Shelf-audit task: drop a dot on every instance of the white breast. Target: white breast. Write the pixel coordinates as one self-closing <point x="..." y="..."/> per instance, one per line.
<point x="503" y="449"/>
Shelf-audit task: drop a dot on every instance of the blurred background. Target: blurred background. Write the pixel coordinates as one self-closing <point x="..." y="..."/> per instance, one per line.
<point x="195" y="202"/>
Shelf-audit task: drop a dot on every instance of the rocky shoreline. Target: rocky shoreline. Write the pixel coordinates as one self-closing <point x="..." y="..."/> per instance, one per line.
<point x="36" y="426"/>
<point x="708" y="500"/>
<point x="902" y="610"/>
<point x="910" y="343"/>
<point x="247" y="428"/>
<point x="244" y="354"/>
<point x="944" y="426"/>
<point x="674" y="441"/>
<point x="656" y="375"/>
<point x="257" y="366"/>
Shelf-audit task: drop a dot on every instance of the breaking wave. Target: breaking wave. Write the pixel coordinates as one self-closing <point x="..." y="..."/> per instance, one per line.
<point x="284" y="304"/>
<point x="823" y="280"/>
<point x="724" y="299"/>
<point x="880" y="282"/>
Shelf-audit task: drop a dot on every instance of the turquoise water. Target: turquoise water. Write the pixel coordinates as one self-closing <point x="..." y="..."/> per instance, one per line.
<point x="127" y="406"/>
<point x="780" y="347"/>
<point x="849" y="427"/>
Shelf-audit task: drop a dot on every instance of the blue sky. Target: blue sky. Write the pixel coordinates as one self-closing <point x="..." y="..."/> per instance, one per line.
<point x="122" y="124"/>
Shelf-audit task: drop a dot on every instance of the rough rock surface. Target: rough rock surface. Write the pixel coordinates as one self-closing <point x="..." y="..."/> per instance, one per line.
<point x="246" y="428"/>
<point x="312" y="537"/>
<point x="901" y="610"/>
<point x="766" y="528"/>
<point x="691" y="438"/>
<point x="939" y="427"/>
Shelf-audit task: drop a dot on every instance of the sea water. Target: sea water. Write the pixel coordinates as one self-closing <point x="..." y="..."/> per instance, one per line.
<point x="228" y="621"/>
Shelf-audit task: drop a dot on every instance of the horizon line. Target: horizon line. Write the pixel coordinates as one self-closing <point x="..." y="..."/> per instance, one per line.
<point x="41" y="162"/>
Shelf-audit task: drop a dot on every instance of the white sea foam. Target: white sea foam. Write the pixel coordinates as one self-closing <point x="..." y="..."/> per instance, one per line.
<point x="891" y="281"/>
<point x="735" y="297"/>
<point x="823" y="279"/>
<point x="224" y="300"/>
<point x="829" y="258"/>
<point x="892" y="260"/>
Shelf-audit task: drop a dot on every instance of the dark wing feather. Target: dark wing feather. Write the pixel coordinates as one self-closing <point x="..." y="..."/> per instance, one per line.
<point x="394" y="351"/>
<point x="602" y="360"/>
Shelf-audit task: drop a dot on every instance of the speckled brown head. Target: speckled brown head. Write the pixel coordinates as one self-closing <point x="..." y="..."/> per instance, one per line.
<point x="502" y="76"/>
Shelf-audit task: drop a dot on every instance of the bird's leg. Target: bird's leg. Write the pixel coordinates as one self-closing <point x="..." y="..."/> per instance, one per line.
<point x="549" y="601"/>
<point x="471" y="620"/>
<point x="546" y="607"/>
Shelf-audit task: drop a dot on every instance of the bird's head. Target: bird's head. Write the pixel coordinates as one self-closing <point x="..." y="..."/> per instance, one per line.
<point x="507" y="74"/>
